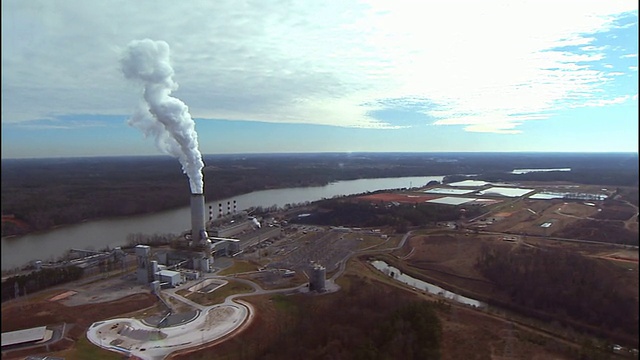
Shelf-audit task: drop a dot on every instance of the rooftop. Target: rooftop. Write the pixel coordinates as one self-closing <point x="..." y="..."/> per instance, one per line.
<point x="23" y="336"/>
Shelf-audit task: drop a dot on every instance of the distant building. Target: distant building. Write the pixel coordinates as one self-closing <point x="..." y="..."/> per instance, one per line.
<point x="232" y="229"/>
<point x="25" y="336"/>
<point x="259" y="235"/>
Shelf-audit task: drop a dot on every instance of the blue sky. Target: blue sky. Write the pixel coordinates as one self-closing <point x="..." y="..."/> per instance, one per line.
<point x="326" y="76"/>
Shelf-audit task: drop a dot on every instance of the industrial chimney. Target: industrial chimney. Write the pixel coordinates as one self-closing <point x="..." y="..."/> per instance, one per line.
<point x="198" y="230"/>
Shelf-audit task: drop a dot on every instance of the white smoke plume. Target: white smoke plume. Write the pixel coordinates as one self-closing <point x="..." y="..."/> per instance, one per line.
<point x="160" y="115"/>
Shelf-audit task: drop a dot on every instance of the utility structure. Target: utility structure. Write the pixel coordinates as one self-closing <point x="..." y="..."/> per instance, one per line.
<point x="199" y="234"/>
<point x="144" y="272"/>
<point x="318" y="278"/>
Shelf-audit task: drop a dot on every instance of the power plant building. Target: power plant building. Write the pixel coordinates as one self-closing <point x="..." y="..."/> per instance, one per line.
<point x="169" y="277"/>
<point x="233" y="229"/>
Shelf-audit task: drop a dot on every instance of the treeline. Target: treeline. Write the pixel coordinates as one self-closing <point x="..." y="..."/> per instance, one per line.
<point x="571" y="288"/>
<point x="44" y="193"/>
<point x="21" y="285"/>
<point x="615" y="177"/>
<point x="353" y="213"/>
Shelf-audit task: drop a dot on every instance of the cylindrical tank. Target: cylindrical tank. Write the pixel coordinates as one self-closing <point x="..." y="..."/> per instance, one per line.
<point x="318" y="275"/>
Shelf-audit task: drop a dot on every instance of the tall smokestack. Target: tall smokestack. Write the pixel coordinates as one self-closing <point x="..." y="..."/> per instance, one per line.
<point x="160" y="115"/>
<point x="198" y="230"/>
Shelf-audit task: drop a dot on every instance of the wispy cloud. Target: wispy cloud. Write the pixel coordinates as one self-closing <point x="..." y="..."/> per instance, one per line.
<point x="607" y="102"/>
<point x="58" y="124"/>
<point x="332" y="63"/>
<point x="629" y="56"/>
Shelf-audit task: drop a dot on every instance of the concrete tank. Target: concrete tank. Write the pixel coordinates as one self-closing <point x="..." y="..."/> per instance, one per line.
<point x="317" y="278"/>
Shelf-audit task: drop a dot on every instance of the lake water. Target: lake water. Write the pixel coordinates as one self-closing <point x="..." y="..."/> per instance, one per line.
<point x="422" y="285"/>
<point x="100" y="234"/>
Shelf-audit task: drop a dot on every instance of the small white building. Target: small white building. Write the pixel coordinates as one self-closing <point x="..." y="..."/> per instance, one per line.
<point x="172" y="278"/>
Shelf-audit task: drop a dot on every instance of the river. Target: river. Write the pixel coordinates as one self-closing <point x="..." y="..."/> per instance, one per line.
<point x="96" y="235"/>
<point x="423" y="285"/>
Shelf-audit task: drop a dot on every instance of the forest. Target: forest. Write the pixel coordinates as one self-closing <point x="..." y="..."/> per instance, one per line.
<point x="362" y="321"/>
<point x="39" y="194"/>
<point x="580" y="292"/>
<point x="353" y="213"/>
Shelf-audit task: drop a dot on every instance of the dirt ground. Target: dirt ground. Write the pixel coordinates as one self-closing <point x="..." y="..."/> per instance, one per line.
<point x="611" y="221"/>
<point x="76" y="306"/>
<point x="106" y="290"/>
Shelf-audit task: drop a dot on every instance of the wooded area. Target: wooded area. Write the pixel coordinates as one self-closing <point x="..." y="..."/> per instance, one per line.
<point x="363" y="320"/>
<point x="580" y="292"/>
<point x="38" y="194"/>
<point x="354" y="213"/>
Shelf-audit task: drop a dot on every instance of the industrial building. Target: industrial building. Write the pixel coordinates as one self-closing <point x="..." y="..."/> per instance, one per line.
<point x="169" y="277"/>
<point x="200" y="246"/>
<point x="233" y="229"/>
<point x="25" y="336"/>
<point x="144" y="273"/>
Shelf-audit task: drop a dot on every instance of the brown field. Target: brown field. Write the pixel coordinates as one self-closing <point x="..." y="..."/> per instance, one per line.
<point x="25" y="313"/>
<point x="448" y="260"/>
<point x="77" y="306"/>
<point x="607" y="221"/>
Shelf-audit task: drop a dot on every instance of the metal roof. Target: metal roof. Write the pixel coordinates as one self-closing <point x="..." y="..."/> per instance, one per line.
<point x="23" y="336"/>
<point x="169" y="273"/>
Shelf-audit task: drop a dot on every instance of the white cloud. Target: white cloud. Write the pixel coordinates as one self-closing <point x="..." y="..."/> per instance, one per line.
<point x="607" y="102"/>
<point x="629" y="56"/>
<point x="313" y="61"/>
<point x="633" y="68"/>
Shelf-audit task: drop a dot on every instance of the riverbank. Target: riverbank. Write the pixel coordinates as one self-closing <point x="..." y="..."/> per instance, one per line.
<point x="114" y="232"/>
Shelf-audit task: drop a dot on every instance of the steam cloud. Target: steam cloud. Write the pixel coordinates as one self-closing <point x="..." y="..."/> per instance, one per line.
<point x="160" y="115"/>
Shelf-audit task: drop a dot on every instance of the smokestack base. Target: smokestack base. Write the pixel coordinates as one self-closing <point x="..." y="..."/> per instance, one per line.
<point x="198" y="230"/>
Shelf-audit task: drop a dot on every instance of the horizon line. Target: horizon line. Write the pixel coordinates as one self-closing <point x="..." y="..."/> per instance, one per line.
<point x="323" y="153"/>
